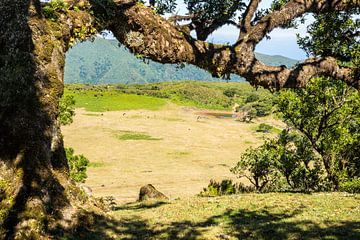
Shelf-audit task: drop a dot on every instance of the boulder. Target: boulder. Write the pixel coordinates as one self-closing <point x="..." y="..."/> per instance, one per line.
<point x="87" y="190"/>
<point x="149" y="192"/>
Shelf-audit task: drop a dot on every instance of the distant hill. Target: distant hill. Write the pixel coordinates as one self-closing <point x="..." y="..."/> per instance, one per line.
<point x="103" y="61"/>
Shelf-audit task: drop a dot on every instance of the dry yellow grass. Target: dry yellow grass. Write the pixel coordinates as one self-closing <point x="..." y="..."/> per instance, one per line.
<point x="189" y="150"/>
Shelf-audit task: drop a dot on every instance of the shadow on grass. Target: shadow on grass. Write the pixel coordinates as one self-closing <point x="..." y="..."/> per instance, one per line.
<point x="235" y="224"/>
<point x="141" y="206"/>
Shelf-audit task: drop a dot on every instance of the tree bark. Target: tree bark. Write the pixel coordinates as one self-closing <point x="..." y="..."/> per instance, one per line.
<point x="40" y="199"/>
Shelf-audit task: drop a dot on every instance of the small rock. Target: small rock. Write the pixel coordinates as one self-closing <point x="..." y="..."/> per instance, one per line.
<point x="149" y="192"/>
<point x="86" y="189"/>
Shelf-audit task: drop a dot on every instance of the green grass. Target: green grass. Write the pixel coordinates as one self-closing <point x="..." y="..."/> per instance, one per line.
<point x="101" y="101"/>
<point x="205" y="95"/>
<point x="128" y="135"/>
<point x="96" y="164"/>
<point x="245" y="216"/>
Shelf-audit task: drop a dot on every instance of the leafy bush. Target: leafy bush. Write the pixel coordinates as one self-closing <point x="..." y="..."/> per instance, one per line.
<point x="351" y="186"/>
<point x="263" y="107"/>
<point x="265" y="128"/>
<point x="286" y="163"/>
<point x="230" y="92"/>
<point x="78" y="165"/>
<point x="327" y="114"/>
<point x="67" y="110"/>
<point x="257" y="165"/>
<point x="51" y="9"/>
<point x="253" y="97"/>
<point x="225" y="187"/>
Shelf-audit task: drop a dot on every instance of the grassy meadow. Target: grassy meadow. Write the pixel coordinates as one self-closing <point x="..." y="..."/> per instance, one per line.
<point x="245" y="216"/>
<point x="178" y="136"/>
<point x="203" y="95"/>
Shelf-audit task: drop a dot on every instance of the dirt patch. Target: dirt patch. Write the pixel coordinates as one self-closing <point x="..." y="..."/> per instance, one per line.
<point x="190" y="151"/>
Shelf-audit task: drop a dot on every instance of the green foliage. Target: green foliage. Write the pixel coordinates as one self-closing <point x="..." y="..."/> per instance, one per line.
<point x="258" y="166"/>
<point x="165" y="6"/>
<point x="285" y="163"/>
<point x="263" y="127"/>
<point x="327" y="114"/>
<point x="253" y="97"/>
<point x="126" y="135"/>
<point x="230" y="92"/>
<point x="51" y="9"/>
<point x="351" y="186"/>
<point x="212" y="14"/>
<point x="334" y="34"/>
<point x="225" y="187"/>
<point x="78" y="165"/>
<point x="67" y="109"/>
<point x="297" y="163"/>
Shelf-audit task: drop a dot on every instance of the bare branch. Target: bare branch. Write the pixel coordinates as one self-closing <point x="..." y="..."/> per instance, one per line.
<point x="245" y="24"/>
<point x="294" y="9"/>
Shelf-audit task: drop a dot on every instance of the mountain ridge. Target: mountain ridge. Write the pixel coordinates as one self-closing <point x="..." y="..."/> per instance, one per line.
<point x="104" y="61"/>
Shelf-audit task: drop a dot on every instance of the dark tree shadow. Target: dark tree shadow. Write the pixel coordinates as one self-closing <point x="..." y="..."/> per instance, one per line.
<point x="239" y="224"/>
<point x="141" y="206"/>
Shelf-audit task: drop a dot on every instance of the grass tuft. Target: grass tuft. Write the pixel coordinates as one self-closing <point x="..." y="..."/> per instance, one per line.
<point x="128" y="135"/>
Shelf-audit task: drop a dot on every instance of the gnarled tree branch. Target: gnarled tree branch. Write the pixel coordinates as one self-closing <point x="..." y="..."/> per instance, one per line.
<point x="154" y="37"/>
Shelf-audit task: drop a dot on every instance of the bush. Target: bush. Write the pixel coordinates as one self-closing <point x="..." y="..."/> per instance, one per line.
<point x="253" y="97"/>
<point x="351" y="186"/>
<point x="78" y="165"/>
<point x="286" y="163"/>
<point x="263" y="127"/>
<point x="51" y="9"/>
<point x="225" y="187"/>
<point x="67" y="110"/>
<point x="230" y="92"/>
<point x="257" y="165"/>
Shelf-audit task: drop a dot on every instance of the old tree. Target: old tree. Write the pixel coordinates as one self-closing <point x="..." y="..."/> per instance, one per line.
<point x="37" y="198"/>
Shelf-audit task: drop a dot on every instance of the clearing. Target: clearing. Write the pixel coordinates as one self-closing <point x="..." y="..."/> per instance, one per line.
<point x="177" y="149"/>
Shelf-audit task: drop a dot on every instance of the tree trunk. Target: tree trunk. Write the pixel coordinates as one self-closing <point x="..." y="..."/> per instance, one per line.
<point x="39" y="198"/>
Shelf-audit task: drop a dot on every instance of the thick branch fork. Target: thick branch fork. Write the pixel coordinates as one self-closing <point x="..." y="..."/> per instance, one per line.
<point x="152" y="36"/>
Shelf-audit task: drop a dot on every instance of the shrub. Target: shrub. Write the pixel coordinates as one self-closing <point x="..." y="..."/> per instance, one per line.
<point x="225" y="187"/>
<point x="351" y="186"/>
<point x="263" y="127"/>
<point x="253" y="97"/>
<point x="67" y="110"/>
<point x="78" y="165"/>
<point x="230" y="92"/>
<point x="51" y="9"/>
<point x="257" y="165"/>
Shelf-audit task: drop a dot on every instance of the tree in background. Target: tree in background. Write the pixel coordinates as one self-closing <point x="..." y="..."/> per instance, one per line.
<point x="327" y="113"/>
<point x="320" y="148"/>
